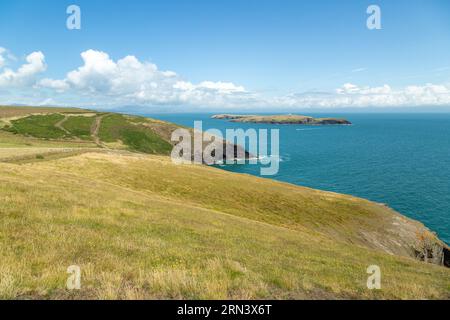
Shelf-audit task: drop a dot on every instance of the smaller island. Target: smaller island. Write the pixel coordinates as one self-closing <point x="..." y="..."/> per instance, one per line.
<point x="282" y="119"/>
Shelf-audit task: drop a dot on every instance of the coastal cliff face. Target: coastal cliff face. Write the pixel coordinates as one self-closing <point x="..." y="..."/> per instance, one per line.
<point x="282" y="119"/>
<point x="402" y="236"/>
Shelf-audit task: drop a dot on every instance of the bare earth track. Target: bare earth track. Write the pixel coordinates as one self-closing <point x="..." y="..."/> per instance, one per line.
<point x="59" y="124"/>
<point x="95" y="129"/>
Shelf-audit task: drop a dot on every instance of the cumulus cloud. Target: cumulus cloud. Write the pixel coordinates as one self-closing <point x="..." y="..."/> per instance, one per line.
<point x="352" y="95"/>
<point x="350" y="88"/>
<point x="223" y="87"/>
<point x="101" y="80"/>
<point x="26" y="74"/>
<point x="58" y="85"/>
<point x="132" y="81"/>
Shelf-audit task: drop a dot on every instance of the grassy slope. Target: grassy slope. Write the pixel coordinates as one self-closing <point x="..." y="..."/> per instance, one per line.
<point x="141" y="227"/>
<point x="79" y="130"/>
<point x="80" y="126"/>
<point x="133" y="134"/>
<point x="39" y="126"/>
<point x="27" y="132"/>
<point x="135" y="236"/>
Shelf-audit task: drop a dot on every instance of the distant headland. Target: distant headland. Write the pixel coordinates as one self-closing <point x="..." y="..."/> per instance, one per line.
<point x="282" y="119"/>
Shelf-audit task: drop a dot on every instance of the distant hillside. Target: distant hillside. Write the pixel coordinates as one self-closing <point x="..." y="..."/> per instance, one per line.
<point x="104" y="130"/>
<point x="83" y="130"/>
<point x="80" y="188"/>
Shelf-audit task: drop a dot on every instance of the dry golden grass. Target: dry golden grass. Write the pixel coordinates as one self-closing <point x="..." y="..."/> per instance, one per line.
<point x="142" y="227"/>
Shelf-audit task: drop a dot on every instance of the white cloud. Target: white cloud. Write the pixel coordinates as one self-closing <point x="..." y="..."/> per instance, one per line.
<point x="58" y="85"/>
<point x="223" y="87"/>
<point x="26" y="74"/>
<point x="2" y="58"/>
<point x="350" y="88"/>
<point x="101" y="80"/>
<point x="428" y="89"/>
<point x="129" y="81"/>
<point x="351" y="95"/>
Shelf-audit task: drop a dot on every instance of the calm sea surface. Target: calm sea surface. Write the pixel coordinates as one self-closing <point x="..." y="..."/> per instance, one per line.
<point x="402" y="160"/>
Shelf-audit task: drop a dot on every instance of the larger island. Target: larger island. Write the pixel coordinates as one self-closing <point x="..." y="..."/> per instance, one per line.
<point x="282" y="119"/>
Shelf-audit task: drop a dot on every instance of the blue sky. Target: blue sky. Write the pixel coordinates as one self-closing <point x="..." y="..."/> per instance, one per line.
<point x="286" y="53"/>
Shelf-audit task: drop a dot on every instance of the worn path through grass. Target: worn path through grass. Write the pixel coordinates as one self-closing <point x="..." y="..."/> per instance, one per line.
<point x="60" y="123"/>
<point x="95" y="129"/>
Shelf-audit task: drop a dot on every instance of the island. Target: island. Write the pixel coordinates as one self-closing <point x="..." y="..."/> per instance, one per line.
<point x="282" y="119"/>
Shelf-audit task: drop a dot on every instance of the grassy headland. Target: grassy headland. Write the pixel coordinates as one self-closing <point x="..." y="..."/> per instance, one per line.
<point x="139" y="226"/>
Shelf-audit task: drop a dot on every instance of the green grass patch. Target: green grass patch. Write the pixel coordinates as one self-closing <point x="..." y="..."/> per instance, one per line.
<point x="79" y="126"/>
<point x="144" y="140"/>
<point x="135" y="136"/>
<point x="39" y="126"/>
<point x="111" y="127"/>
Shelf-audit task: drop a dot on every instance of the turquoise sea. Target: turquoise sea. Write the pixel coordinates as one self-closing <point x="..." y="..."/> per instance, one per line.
<point x="402" y="160"/>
